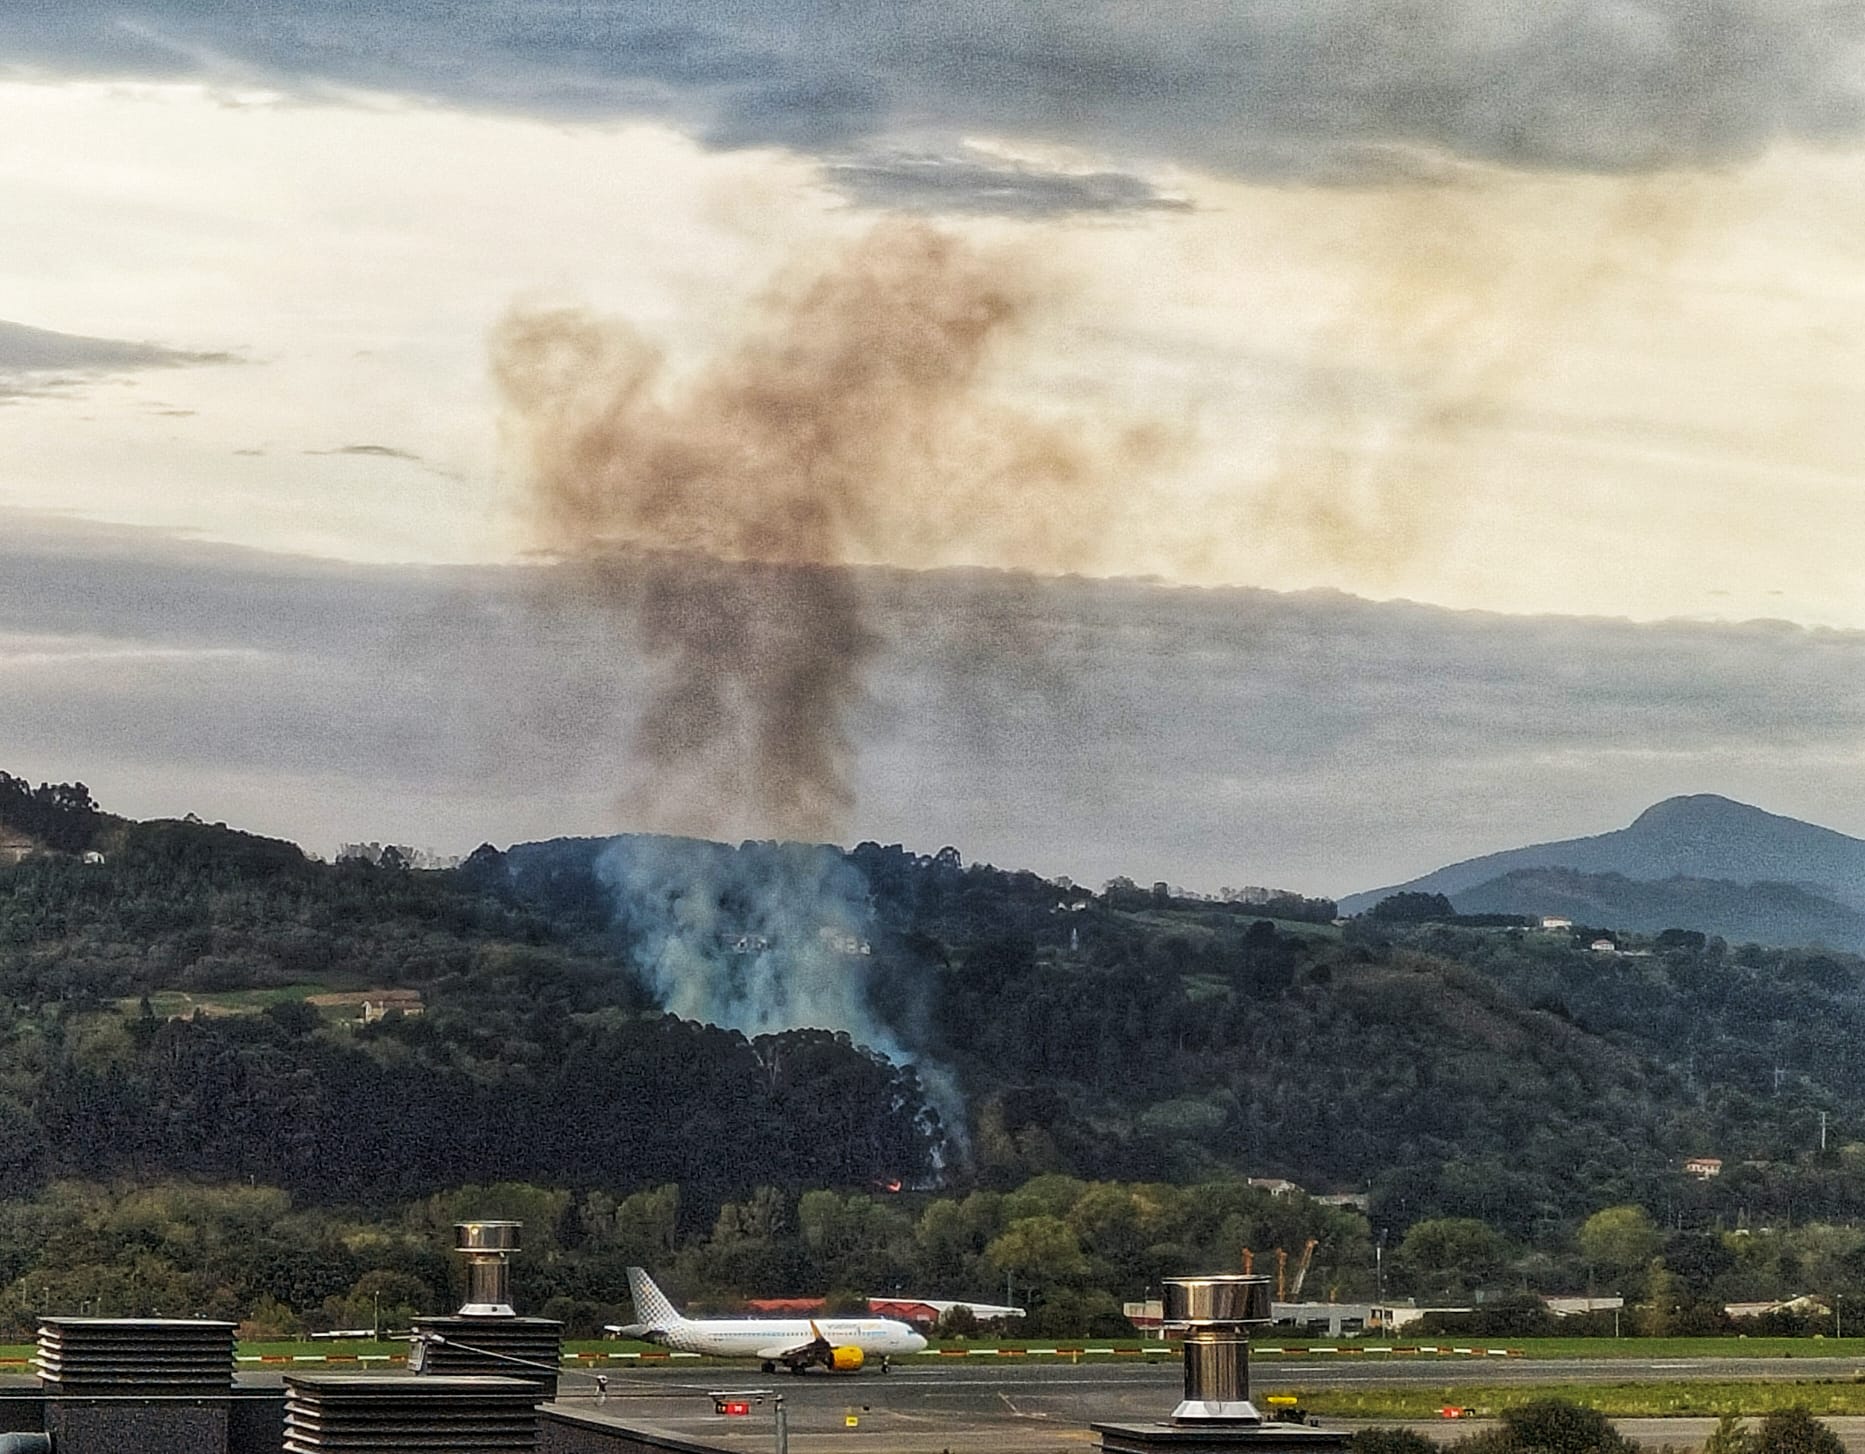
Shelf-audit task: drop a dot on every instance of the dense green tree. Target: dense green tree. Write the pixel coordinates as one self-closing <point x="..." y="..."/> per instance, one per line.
<point x="1410" y="908"/>
<point x="1452" y="1253"/>
<point x="1617" y="1241"/>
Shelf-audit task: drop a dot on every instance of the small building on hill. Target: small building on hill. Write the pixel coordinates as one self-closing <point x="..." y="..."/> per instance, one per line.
<point x="14" y="846"/>
<point x="1703" y="1168"/>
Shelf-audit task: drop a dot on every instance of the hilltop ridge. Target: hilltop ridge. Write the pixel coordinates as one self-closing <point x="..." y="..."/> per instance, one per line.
<point x="1696" y="836"/>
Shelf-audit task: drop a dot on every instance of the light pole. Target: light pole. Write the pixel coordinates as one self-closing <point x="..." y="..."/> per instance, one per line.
<point x="1838" y="1299"/>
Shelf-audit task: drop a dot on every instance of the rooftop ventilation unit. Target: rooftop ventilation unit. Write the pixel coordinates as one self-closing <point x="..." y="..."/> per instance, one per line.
<point x="487" y="1248"/>
<point x="486" y="1336"/>
<point x="127" y="1385"/>
<point x="1216" y="1314"/>
<point x="378" y="1415"/>
<point x="116" y="1356"/>
<point x="1216" y="1416"/>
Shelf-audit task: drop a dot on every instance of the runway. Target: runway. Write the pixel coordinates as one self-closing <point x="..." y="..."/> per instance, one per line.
<point x="1031" y="1409"/>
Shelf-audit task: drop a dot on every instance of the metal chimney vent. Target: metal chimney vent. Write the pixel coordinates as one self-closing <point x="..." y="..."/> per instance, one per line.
<point x="1215" y="1313"/>
<point x="486" y="1336"/>
<point x="487" y="1248"/>
<point x="173" y="1356"/>
<point x="373" y="1415"/>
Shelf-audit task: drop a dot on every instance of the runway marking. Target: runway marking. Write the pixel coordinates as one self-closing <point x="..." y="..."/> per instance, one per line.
<point x="1017" y="1412"/>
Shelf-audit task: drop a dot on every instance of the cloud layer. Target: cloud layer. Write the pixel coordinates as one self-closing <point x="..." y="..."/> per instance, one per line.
<point x="1209" y="737"/>
<point x="33" y="360"/>
<point x="1297" y="89"/>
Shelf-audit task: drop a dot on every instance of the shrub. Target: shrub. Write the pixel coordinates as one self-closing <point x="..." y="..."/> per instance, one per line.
<point x="958" y="1322"/>
<point x="1730" y="1437"/>
<point x="1556" y="1426"/>
<point x="1390" y="1441"/>
<point x="1794" y="1431"/>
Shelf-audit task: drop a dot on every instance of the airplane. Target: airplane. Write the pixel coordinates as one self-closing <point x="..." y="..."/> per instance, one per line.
<point x="840" y="1345"/>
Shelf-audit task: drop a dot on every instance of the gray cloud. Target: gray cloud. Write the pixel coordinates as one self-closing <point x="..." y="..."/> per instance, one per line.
<point x="921" y="182"/>
<point x="1334" y="89"/>
<point x="1316" y="740"/>
<point x="33" y="360"/>
<point x="370" y="451"/>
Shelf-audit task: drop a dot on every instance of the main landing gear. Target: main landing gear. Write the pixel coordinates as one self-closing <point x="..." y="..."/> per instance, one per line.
<point x="769" y="1367"/>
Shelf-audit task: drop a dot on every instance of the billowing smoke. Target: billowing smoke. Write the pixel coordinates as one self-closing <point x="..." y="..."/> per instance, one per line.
<point x="853" y="424"/>
<point x="1458" y="299"/>
<point x="760" y="938"/>
<point x="715" y="515"/>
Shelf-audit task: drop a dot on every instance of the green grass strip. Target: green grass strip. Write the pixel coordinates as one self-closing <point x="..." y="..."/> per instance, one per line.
<point x="1621" y="1400"/>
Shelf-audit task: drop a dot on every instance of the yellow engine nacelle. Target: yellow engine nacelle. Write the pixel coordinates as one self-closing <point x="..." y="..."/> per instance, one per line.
<point x="845" y="1360"/>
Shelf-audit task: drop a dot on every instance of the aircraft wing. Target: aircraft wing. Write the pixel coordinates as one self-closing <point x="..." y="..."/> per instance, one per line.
<point x="784" y="1352"/>
<point x="816" y="1347"/>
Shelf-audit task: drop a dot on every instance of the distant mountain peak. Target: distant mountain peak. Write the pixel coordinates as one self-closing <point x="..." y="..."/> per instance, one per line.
<point x="1703" y="836"/>
<point x="1703" y="811"/>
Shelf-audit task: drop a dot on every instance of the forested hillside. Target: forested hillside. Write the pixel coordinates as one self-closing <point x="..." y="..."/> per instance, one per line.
<point x="1762" y="913"/>
<point x="192" y="1007"/>
<point x="537" y="1054"/>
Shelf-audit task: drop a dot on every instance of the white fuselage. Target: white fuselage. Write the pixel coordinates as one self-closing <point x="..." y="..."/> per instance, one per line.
<point x="773" y="1338"/>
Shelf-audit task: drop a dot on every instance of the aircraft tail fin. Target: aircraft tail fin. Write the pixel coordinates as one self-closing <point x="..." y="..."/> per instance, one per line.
<point x="651" y="1305"/>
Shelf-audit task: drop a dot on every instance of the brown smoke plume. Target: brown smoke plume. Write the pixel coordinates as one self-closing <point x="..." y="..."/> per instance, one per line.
<point x="853" y="424"/>
<point x="1456" y="295"/>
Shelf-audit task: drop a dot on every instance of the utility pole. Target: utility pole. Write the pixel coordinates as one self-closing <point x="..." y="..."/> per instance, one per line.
<point x="1822" y="1130"/>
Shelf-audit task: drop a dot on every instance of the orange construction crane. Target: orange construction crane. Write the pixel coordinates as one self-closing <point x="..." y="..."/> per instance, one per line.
<point x="1249" y="1262"/>
<point x="1301" y="1272"/>
<point x="1282" y="1272"/>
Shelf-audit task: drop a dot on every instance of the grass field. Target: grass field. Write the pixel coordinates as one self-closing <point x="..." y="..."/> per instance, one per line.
<point x="1818" y="1347"/>
<point x="1463" y="1379"/>
<point x="1621" y="1400"/>
<point x="167" y="1004"/>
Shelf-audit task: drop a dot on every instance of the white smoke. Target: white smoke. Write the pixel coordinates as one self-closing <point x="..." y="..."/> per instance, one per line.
<point x="763" y="938"/>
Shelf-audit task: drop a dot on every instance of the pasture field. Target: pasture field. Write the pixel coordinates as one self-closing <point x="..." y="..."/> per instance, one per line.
<point x="167" y="1004"/>
<point x="1619" y="1400"/>
<point x="1739" y="1347"/>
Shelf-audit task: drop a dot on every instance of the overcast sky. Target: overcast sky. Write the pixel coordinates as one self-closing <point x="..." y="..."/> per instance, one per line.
<point x="1501" y="368"/>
